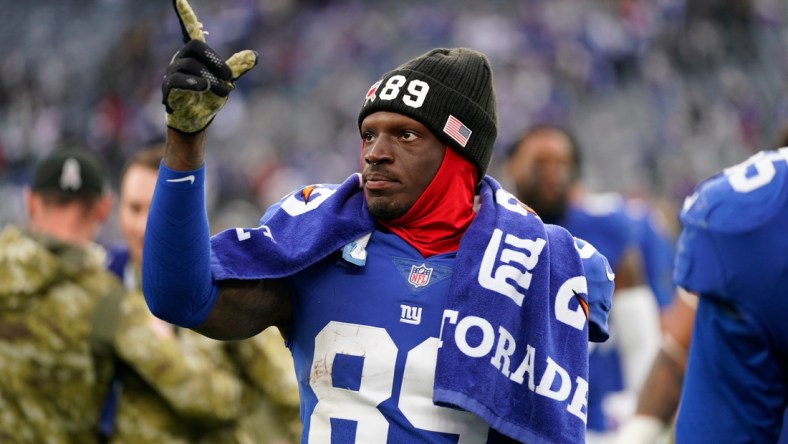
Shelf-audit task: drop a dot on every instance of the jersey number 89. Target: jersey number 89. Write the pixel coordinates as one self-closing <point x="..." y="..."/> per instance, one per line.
<point x="377" y="383"/>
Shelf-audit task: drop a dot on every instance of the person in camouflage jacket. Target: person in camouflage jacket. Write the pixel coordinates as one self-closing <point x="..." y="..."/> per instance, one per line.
<point x="55" y="359"/>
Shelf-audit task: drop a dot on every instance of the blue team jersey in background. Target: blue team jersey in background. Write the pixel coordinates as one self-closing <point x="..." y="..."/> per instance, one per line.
<point x="602" y="221"/>
<point x="391" y="311"/>
<point x="733" y="252"/>
<point x="658" y="249"/>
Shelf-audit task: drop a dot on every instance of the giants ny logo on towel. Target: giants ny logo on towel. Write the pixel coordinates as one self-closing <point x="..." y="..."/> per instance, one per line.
<point x="457" y="131"/>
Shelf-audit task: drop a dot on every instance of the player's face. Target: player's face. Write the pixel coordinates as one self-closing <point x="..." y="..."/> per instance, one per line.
<point x="136" y="193"/>
<point x="400" y="157"/>
<point x="542" y="169"/>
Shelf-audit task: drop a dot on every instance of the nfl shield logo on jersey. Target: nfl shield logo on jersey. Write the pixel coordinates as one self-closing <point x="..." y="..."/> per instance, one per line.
<point x="419" y="275"/>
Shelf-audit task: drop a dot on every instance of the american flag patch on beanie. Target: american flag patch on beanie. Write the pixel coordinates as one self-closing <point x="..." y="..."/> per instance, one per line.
<point x="457" y="130"/>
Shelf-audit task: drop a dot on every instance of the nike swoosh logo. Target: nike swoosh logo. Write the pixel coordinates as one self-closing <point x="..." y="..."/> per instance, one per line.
<point x="610" y="274"/>
<point x="189" y="178"/>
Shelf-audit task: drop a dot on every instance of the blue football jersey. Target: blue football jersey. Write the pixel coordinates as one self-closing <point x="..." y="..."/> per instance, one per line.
<point x="733" y="252"/>
<point x="602" y="220"/>
<point x="657" y="249"/>
<point x="366" y="324"/>
<point x="365" y="360"/>
<point x="117" y="258"/>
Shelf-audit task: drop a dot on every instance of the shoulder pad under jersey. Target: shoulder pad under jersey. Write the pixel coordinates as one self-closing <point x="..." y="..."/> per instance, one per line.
<point x="303" y="195"/>
<point x="742" y="197"/>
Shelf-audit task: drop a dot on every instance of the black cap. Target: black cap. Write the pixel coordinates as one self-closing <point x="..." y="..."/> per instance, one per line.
<point x="70" y="171"/>
<point x="450" y="91"/>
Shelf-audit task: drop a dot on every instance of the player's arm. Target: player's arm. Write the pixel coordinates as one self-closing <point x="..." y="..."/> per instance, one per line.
<point x="176" y="272"/>
<point x="629" y="272"/>
<point x="245" y="308"/>
<point x="184" y="152"/>
<point x="660" y="394"/>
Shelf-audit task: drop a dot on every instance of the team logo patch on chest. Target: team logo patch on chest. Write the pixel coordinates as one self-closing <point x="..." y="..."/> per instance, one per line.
<point x="419" y="275"/>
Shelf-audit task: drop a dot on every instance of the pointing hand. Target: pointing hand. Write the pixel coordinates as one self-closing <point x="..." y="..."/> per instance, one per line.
<point x="198" y="81"/>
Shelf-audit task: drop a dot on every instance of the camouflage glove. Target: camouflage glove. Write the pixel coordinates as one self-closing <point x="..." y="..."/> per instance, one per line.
<point x="198" y="81"/>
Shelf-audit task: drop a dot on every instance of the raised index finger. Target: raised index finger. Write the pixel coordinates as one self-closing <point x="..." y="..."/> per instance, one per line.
<point x="190" y="26"/>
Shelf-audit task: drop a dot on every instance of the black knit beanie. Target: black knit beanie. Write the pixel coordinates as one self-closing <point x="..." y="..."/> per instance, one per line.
<point x="449" y="91"/>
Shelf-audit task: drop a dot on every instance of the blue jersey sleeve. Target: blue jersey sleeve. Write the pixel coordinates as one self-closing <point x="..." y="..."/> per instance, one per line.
<point x="176" y="267"/>
<point x="732" y="251"/>
<point x="698" y="268"/>
<point x="726" y="207"/>
<point x="741" y="198"/>
<point x="658" y="250"/>
<point x="602" y="221"/>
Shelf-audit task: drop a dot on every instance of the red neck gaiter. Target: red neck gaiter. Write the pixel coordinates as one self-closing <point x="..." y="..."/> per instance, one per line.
<point x="438" y="219"/>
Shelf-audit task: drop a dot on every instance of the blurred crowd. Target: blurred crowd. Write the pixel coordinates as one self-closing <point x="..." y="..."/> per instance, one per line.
<point x="660" y="93"/>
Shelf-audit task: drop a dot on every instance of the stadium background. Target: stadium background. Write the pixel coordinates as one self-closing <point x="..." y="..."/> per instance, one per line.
<point x="661" y="93"/>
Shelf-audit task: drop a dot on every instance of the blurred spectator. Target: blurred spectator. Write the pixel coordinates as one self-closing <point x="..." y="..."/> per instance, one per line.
<point x="666" y="92"/>
<point x="57" y="305"/>
<point x="157" y="390"/>
<point x="162" y="389"/>
<point x="656" y="241"/>
<point x="544" y="166"/>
